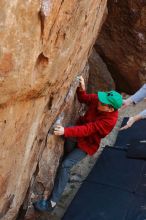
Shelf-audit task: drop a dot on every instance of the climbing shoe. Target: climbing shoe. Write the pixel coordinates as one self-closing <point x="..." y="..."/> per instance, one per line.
<point x="43" y="206"/>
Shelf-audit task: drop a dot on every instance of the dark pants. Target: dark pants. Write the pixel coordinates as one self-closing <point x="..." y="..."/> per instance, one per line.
<point x="72" y="155"/>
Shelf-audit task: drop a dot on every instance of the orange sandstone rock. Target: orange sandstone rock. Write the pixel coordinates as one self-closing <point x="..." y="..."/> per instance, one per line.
<point x="44" y="45"/>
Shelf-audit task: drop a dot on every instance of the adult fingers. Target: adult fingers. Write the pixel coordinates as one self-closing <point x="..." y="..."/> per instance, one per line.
<point x="123" y="107"/>
<point x="128" y="125"/>
<point x="124" y="127"/>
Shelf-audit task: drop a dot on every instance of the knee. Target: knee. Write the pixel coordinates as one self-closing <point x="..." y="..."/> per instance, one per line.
<point x="66" y="164"/>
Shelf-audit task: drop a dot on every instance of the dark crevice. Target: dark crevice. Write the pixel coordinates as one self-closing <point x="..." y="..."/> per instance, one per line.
<point x="121" y="82"/>
<point x="21" y="213"/>
<point x="38" y="188"/>
<point x="42" y="20"/>
<point x="24" y="207"/>
<point x="50" y="102"/>
<point x="42" y="60"/>
<point x="36" y="171"/>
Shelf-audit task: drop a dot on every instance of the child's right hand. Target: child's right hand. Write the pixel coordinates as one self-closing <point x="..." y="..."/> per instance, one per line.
<point x="81" y="83"/>
<point x="59" y="130"/>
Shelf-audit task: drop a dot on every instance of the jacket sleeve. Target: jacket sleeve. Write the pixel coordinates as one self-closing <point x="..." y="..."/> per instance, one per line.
<point x="83" y="97"/>
<point x="139" y="95"/>
<point x="143" y="113"/>
<point x="102" y="127"/>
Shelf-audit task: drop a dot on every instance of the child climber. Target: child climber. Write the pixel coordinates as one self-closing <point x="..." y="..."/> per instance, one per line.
<point x="98" y="121"/>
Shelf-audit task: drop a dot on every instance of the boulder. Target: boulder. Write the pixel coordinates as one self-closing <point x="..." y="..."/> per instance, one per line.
<point x="122" y="43"/>
<point x="100" y="78"/>
<point x="44" y="46"/>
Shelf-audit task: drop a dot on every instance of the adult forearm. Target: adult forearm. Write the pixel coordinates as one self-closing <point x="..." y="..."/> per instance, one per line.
<point x="143" y="114"/>
<point x="131" y="121"/>
<point x="139" y="95"/>
<point x="137" y="117"/>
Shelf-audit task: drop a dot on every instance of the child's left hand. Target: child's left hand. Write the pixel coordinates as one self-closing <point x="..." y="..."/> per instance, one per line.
<point x="59" y="130"/>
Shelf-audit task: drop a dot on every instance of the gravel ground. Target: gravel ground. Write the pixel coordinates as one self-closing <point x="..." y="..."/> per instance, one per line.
<point x="81" y="170"/>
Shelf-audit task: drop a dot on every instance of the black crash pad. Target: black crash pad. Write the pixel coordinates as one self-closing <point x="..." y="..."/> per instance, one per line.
<point x="113" y="168"/>
<point x="114" y="190"/>
<point x="137" y="208"/>
<point x="128" y="136"/>
<point x="99" y="202"/>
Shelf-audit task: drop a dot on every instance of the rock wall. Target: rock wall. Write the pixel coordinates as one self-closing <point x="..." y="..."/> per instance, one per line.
<point x="54" y="149"/>
<point x="122" y="43"/>
<point x="44" y="46"/>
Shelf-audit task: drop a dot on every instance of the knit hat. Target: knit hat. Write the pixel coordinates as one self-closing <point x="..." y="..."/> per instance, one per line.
<point x="112" y="98"/>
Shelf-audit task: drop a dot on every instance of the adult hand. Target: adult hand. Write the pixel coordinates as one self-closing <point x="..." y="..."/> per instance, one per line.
<point x="81" y="83"/>
<point x="130" y="122"/>
<point x="59" y="130"/>
<point x="126" y="102"/>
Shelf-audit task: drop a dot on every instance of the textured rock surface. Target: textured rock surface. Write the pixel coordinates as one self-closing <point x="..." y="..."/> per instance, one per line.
<point x="44" y="178"/>
<point x="99" y="77"/>
<point x="44" y="45"/>
<point x="54" y="146"/>
<point x="122" y="43"/>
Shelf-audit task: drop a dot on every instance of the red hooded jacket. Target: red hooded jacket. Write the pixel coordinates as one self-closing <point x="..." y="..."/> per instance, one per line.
<point x="93" y="126"/>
